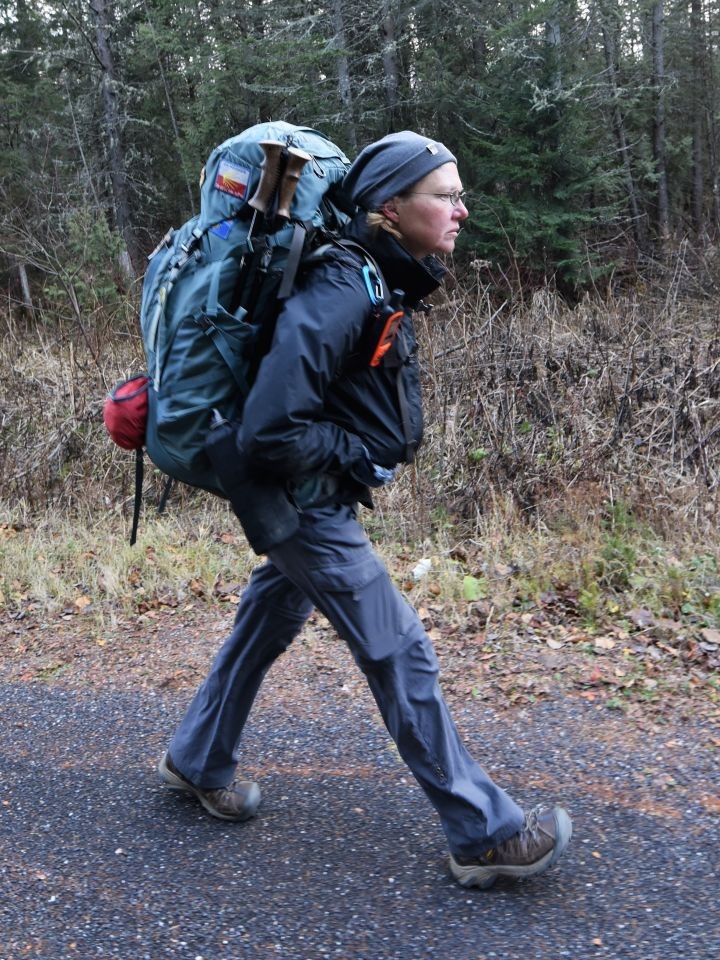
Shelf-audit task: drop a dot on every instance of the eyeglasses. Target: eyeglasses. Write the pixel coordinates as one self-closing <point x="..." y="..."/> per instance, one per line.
<point x="454" y="198"/>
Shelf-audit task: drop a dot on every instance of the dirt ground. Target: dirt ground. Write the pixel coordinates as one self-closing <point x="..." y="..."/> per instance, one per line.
<point x="650" y="675"/>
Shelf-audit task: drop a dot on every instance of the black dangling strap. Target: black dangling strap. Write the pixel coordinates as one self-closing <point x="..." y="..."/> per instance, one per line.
<point x="139" y="474"/>
<point x="396" y="358"/>
<point x="165" y="495"/>
<point x="405" y="415"/>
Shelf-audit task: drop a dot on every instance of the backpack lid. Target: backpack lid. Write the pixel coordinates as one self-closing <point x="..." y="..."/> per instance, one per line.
<point x="232" y="172"/>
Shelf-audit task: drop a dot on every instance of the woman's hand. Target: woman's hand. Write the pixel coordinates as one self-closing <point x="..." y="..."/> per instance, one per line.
<point x="372" y="474"/>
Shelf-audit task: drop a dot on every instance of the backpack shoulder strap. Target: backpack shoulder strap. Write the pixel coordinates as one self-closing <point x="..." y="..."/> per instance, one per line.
<point x="371" y="272"/>
<point x="293" y="261"/>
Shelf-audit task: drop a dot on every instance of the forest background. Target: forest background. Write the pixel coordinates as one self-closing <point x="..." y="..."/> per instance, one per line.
<point x="572" y="366"/>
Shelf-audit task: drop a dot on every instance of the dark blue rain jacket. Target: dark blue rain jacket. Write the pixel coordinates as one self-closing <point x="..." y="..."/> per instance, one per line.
<point x="317" y="402"/>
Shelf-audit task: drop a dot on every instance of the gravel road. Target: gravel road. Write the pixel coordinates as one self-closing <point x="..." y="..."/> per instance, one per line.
<point x="346" y="859"/>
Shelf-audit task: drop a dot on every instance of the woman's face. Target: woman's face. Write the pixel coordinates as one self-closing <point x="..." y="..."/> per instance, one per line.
<point x="427" y="220"/>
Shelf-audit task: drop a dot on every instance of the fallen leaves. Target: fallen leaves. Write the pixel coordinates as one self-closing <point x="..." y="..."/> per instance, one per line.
<point x="227" y="592"/>
<point x="494" y="643"/>
<point x="711" y="804"/>
<point x="641" y="618"/>
<point x="711" y="640"/>
<point x="604" y="643"/>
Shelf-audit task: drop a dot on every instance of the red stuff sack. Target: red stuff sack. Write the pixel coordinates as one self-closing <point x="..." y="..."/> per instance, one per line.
<point x="126" y="411"/>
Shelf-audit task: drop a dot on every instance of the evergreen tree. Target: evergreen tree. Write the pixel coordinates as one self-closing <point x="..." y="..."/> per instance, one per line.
<point x="536" y="180"/>
<point x="585" y="131"/>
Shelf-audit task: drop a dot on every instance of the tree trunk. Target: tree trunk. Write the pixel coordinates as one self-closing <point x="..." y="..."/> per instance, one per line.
<point x="611" y="62"/>
<point x="171" y="111"/>
<point x="714" y="174"/>
<point x="479" y="52"/>
<point x="553" y="41"/>
<point x="343" y="73"/>
<point x="713" y="135"/>
<point x="390" y="64"/>
<point x="113" y="127"/>
<point x="260" y="27"/>
<point x="659" y="151"/>
<point x="698" y="102"/>
<point x="25" y="287"/>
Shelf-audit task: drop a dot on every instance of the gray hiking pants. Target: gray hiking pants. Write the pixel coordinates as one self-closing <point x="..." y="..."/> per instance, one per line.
<point x="329" y="564"/>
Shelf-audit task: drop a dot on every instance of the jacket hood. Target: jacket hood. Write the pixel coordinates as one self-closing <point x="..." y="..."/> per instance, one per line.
<point x="400" y="270"/>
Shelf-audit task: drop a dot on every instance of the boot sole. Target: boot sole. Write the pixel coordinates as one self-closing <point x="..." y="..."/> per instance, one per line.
<point x="175" y="782"/>
<point x="475" y="875"/>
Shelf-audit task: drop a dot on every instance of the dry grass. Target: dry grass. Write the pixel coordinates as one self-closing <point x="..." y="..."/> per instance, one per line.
<point x="563" y="411"/>
<point x="53" y="381"/>
<point x="54" y="558"/>
<point x="59" y="562"/>
<point x="567" y="495"/>
<point x="538" y="415"/>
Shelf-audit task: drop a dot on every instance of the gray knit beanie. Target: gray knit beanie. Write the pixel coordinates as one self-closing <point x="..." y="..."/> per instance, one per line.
<point x="390" y="166"/>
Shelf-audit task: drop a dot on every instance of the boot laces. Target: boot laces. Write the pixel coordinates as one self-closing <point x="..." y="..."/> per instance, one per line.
<point x="529" y="837"/>
<point x="532" y="823"/>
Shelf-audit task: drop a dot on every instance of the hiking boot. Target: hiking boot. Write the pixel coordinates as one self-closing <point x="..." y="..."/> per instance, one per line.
<point x="239" y="801"/>
<point x="539" y="844"/>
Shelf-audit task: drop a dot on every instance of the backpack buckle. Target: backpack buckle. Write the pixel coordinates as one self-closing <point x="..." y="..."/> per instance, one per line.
<point x="192" y="241"/>
<point x="372" y="285"/>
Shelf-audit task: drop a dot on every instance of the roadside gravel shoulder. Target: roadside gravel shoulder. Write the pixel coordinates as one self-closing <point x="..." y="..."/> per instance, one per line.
<point x="520" y="663"/>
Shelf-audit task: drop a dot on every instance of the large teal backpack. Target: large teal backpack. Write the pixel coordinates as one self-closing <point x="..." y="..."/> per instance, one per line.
<point x="215" y="285"/>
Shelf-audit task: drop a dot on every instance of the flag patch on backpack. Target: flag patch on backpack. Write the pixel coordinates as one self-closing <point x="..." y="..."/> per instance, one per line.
<point x="233" y="178"/>
<point x="222" y="229"/>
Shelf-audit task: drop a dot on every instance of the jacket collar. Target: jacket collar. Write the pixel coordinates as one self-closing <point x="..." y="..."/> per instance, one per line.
<point x="400" y="270"/>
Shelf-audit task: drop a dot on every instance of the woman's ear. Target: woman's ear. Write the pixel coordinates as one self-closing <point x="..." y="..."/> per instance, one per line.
<point x="389" y="210"/>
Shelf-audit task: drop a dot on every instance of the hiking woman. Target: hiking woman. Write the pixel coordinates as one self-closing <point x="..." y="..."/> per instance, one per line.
<point x="328" y="424"/>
